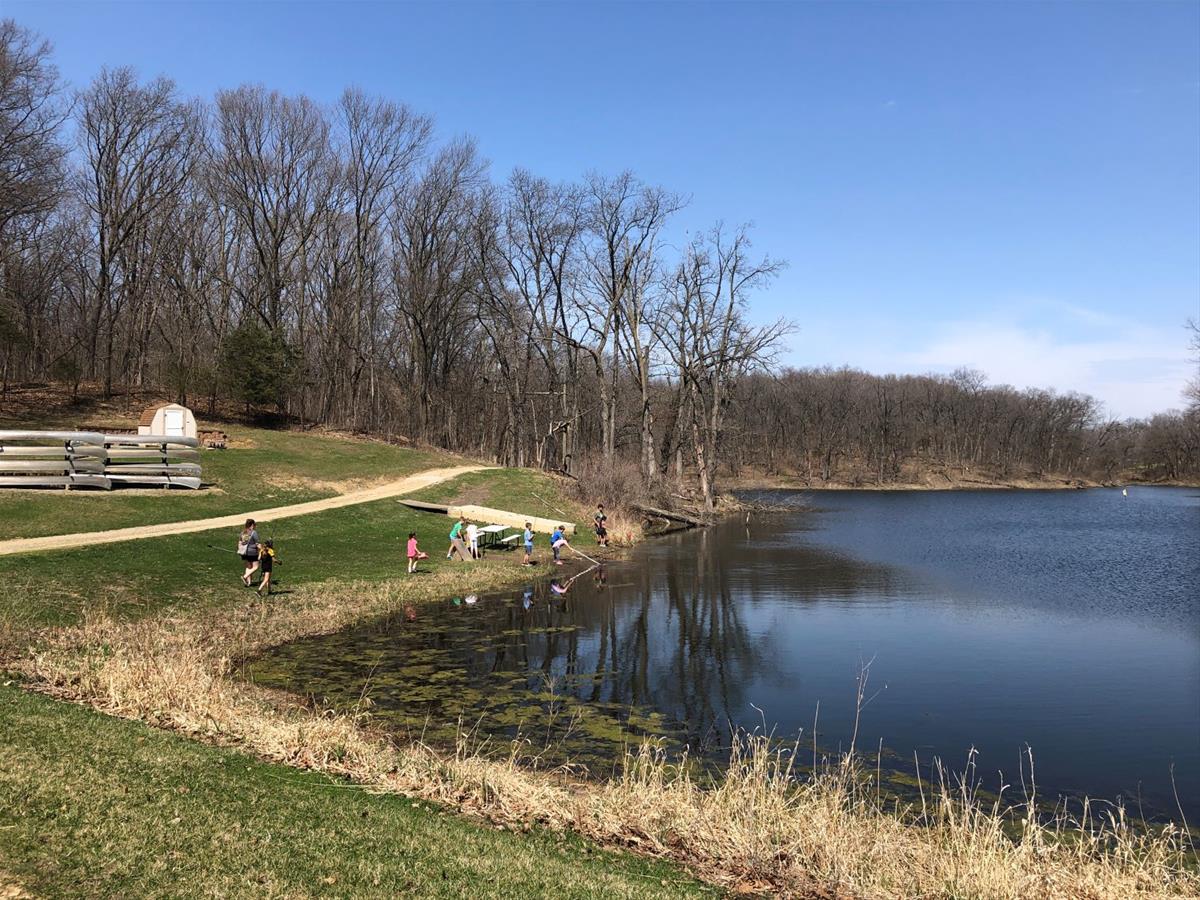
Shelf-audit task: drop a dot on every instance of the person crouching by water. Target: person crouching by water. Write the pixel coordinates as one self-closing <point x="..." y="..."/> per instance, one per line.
<point x="528" y="537"/>
<point x="557" y="542"/>
<point x="414" y="552"/>
<point x="248" y="550"/>
<point x="266" y="560"/>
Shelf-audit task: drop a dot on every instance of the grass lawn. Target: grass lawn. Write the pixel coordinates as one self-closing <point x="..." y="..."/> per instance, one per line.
<point x="260" y="469"/>
<point x="97" y="806"/>
<point x="92" y="805"/>
<point x="133" y="578"/>
<point x="516" y="490"/>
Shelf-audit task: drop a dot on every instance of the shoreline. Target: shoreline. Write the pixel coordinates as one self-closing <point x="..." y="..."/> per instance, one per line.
<point x="792" y="483"/>
<point x="178" y="670"/>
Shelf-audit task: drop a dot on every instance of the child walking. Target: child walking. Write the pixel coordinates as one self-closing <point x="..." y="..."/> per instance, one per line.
<point x="473" y="539"/>
<point x="414" y="552"/>
<point x="266" y="562"/>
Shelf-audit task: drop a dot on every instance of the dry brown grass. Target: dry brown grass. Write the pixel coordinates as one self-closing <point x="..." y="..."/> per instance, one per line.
<point x="10" y="888"/>
<point x="614" y="484"/>
<point x="761" y="828"/>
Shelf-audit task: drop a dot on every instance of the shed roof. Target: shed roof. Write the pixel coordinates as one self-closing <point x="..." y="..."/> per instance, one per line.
<point x="147" y="418"/>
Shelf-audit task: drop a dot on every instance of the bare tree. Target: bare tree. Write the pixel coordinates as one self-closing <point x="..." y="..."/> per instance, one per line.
<point x="272" y="168"/>
<point x="380" y="142"/>
<point x="31" y="113"/>
<point x="1191" y="391"/>
<point x="431" y="228"/>
<point x="625" y="219"/>
<point x="138" y="145"/>
<point x="542" y="230"/>
<point x="530" y="321"/>
<point x="709" y="338"/>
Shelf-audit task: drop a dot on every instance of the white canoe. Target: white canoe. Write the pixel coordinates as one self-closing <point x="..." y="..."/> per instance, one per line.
<point x="50" y="437"/>
<point x="87" y="466"/>
<point x="149" y="469"/>
<point x="170" y="481"/>
<point x="148" y="440"/>
<point x="11" y="452"/>
<point x="36" y="481"/>
<point x="122" y="453"/>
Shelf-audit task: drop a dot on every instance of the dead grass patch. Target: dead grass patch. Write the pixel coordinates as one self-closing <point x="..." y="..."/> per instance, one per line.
<point x="343" y="486"/>
<point x="11" y="889"/>
<point x="761" y="827"/>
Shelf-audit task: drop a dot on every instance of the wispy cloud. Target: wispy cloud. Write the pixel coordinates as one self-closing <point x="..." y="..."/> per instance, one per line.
<point x="1133" y="368"/>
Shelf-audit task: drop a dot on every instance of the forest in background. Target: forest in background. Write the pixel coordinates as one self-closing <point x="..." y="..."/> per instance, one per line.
<point x="340" y="265"/>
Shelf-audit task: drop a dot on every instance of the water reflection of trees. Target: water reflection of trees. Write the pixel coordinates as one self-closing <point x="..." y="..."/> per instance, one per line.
<point x="680" y="628"/>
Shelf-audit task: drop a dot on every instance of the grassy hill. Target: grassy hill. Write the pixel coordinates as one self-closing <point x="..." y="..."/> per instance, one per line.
<point x="122" y="809"/>
<point x="260" y="468"/>
<point x="119" y="809"/>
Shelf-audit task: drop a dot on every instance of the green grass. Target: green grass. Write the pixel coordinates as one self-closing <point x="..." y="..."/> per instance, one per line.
<point x="95" y="806"/>
<point x="515" y="490"/>
<point x="261" y="468"/>
<point x="135" y="578"/>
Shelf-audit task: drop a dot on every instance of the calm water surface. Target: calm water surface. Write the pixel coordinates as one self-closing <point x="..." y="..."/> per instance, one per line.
<point x="1068" y="622"/>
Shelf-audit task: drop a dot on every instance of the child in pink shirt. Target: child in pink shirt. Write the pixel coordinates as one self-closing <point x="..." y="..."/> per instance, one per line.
<point x="413" y="553"/>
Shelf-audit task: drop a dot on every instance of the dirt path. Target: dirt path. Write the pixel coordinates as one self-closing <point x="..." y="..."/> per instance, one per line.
<point x="379" y="492"/>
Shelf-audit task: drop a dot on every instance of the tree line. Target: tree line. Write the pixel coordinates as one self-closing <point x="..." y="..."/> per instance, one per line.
<point x="341" y="265"/>
<point x="850" y="426"/>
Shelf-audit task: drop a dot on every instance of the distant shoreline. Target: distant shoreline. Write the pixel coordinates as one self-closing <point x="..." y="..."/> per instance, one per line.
<point x="936" y="483"/>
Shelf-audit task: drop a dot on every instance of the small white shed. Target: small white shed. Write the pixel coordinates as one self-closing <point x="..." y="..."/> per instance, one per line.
<point x="172" y="420"/>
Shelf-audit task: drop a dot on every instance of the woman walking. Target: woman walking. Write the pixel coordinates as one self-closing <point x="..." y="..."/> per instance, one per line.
<point x="248" y="550"/>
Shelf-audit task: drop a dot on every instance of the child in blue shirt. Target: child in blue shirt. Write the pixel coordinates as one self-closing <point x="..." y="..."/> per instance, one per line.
<point x="556" y="543"/>
<point x="528" y="536"/>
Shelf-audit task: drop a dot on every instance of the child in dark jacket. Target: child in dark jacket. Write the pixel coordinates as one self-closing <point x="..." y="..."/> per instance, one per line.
<point x="266" y="562"/>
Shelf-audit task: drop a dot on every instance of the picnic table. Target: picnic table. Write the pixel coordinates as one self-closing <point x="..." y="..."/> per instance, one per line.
<point x="491" y="535"/>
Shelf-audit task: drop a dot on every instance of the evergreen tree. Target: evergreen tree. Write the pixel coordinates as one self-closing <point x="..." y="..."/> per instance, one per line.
<point x="257" y="363"/>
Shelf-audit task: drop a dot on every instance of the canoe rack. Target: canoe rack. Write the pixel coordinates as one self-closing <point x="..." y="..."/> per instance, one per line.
<point x="70" y="459"/>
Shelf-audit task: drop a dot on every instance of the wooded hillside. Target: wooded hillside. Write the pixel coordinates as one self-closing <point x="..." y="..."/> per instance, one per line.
<point x="341" y="264"/>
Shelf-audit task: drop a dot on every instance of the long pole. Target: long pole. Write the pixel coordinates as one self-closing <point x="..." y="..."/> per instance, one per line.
<point x="584" y="555"/>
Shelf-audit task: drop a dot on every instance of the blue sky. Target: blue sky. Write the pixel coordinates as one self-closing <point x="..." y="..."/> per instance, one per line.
<point x="1013" y="187"/>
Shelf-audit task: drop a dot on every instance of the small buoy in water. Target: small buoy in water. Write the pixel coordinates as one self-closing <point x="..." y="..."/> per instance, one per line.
<point x="1124" y="492"/>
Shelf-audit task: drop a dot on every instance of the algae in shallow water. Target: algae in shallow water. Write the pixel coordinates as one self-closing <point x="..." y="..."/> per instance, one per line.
<point x="507" y="670"/>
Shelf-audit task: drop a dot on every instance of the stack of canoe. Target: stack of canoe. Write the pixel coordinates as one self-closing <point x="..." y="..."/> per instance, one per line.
<point x="34" y="459"/>
<point x="52" y="459"/>
<point x="152" y="459"/>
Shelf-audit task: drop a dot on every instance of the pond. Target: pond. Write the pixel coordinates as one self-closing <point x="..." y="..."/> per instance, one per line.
<point x="1066" y="622"/>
